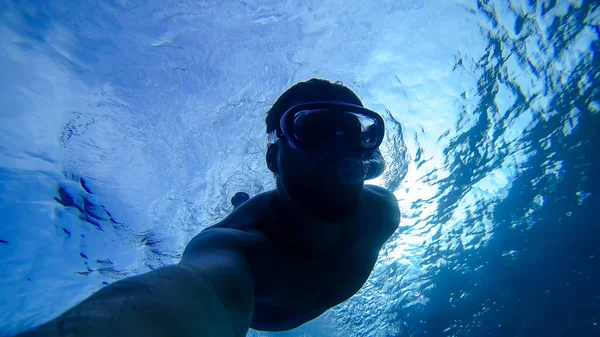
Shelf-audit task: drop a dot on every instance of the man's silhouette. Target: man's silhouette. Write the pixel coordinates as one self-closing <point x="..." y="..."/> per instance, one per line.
<point x="279" y="259"/>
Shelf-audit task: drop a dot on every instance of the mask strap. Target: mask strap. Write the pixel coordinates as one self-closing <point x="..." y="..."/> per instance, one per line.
<point x="272" y="137"/>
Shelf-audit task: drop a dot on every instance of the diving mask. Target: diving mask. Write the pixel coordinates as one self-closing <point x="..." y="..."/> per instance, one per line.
<point x="309" y="126"/>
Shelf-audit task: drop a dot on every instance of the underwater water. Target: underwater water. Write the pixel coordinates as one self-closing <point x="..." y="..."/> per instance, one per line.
<point x="126" y="127"/>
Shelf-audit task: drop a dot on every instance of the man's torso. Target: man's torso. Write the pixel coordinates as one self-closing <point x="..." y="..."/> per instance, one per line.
<point x="306" y="270"/>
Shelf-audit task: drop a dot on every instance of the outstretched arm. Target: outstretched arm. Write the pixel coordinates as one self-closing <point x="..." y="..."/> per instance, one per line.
<point x="209" y="293"/>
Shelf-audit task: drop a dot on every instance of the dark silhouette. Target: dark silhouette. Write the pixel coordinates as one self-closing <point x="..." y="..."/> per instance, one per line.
<point x="279" y="259"/>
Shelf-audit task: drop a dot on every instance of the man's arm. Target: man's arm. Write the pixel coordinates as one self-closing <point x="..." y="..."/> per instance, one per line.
<point x="209" y="293"/>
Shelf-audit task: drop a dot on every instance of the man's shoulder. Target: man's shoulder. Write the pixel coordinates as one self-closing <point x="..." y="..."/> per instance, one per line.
<point x="379" y="191"/>
<point x="215" y="238"/>
<point x="239" y="233"/>
<point x="381" y="196"/>
<point x="244" y="228"/>
<point x="250" y="214"/>
<point x="383" y="206"/>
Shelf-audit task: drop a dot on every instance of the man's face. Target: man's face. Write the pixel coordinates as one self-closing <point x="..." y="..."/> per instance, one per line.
<point x="318" y="179"/>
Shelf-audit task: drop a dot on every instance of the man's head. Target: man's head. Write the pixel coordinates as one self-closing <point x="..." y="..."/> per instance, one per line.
<point x="314" y="90"/>
<point x="316" y="177"/>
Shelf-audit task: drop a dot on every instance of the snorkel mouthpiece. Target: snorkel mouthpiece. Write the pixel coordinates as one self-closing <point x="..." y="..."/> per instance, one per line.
<point x="374" y="165"/>
<point x="354" y="171"/>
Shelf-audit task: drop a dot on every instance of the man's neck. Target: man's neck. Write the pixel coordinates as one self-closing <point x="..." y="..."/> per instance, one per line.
<point x="294" y="210"/>
<point x="318" y="235"/>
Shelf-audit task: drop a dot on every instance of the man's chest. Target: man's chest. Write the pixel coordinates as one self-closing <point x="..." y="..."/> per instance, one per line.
<point x="303" y="278"/>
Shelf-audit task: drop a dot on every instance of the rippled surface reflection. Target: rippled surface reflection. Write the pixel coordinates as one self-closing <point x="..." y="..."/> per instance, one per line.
<point x="128" y="125"/>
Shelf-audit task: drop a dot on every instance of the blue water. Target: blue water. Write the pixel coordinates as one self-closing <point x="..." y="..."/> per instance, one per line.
<point x="127" y="126"/>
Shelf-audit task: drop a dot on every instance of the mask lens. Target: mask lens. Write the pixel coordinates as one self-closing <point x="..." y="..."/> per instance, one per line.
<point x="364" y="128"/>
<point x="313" y="127"/>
